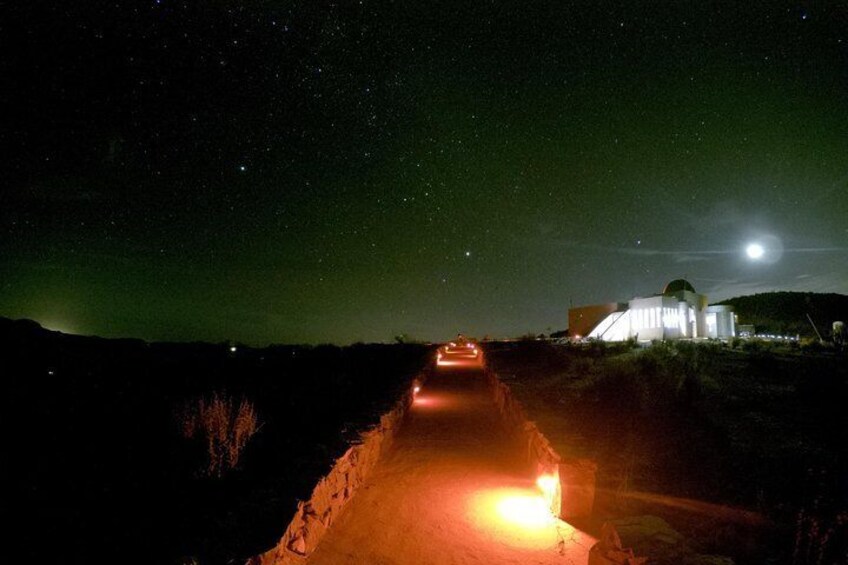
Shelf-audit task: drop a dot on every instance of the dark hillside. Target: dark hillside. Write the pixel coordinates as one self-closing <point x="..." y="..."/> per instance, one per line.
<point x="786" y="312"/>
<point x="98" y="470"/>
<point x="704" y="424"/>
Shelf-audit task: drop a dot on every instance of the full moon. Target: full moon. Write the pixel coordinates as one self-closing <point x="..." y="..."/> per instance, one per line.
<point x="754" y="251"/>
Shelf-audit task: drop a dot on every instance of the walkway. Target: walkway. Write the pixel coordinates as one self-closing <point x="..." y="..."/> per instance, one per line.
<point x="451" y="490"/>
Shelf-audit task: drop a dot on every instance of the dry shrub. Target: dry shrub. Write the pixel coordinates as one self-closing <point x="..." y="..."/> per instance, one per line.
<point x="224" y="426"/>
<point x="820" y="539"/>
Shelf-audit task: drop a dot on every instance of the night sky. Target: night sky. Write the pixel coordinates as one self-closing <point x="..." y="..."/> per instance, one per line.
<point x="274" y="171"/>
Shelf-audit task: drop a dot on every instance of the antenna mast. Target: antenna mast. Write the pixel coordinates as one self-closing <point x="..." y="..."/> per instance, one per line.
<point x="815" y="328"/>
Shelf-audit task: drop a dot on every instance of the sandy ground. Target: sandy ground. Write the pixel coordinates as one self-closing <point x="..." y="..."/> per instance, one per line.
<point x="452" y="490"/>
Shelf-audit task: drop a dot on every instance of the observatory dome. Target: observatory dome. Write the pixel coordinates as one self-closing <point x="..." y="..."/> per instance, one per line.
<point x="677" y="285"/>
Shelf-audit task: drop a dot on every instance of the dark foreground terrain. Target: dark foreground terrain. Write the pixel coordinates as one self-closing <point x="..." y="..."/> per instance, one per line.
<point x="98" y="471"/>
<point x="743" y="450"/>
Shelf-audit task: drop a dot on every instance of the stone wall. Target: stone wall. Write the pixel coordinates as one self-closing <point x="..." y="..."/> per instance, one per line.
<point x="573" y="488"/>
<point x="538" y="450"/>
<point x="332" y="493"/>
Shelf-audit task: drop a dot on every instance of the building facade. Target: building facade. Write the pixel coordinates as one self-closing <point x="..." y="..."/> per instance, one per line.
<point x="677" y="313"/>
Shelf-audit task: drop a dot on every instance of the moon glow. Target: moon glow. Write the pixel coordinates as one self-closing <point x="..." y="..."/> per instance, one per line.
<point x="754" y="251"/>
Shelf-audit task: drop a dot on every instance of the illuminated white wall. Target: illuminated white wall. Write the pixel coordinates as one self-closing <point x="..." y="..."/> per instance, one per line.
<point x="693" y="322"/>
<point x="649" y="317"/>
<point x="666" y="316"/>
<point x="720" y="321"/>
<point x="712" y="328"/>
<point x="683" y="319"/>
<point x="615" y="327"/>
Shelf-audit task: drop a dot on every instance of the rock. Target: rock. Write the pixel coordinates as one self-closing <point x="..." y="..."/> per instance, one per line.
<point x="608" y="551"/>
<point x="708" y="560"/>
<point x="640" y="530"/>
<point x="654" y="537"/>
<point x="298" y="545"/>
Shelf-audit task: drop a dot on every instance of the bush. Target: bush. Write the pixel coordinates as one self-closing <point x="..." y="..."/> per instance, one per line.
<point x="596" y="347"/>
<point x="809" y="345"/>
<point x="224" y="426"/>
<point x="530" y="336"/>
<point x="752" y="345"/>
<point x="820" y="539"/>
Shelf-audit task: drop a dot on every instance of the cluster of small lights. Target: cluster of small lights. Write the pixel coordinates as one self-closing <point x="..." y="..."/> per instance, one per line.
<point x="467" y="354"/>
<point x="777" y="337"/>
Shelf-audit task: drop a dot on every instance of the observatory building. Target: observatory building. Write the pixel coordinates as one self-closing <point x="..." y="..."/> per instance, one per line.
<point x="678" y="312"/>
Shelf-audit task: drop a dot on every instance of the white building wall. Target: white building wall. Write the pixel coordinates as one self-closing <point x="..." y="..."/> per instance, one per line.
<point x="683" y="319"/>
<point x="725" y="324"/>
<point x="673" y="316"/>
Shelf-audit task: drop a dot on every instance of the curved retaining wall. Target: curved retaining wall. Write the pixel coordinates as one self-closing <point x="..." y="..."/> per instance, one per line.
<point x="573" y="494"/>
<point x="332" y="493"/>
<point x="539" y="453"/>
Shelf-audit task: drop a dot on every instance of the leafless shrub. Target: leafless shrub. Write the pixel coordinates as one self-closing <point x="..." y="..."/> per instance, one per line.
<point x="818" y="539"/>
<point x="224" y="426"/>
<point x="246" y="424"/>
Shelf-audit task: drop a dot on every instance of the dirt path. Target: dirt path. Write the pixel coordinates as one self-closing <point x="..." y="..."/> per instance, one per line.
<point x="451" y="491"/>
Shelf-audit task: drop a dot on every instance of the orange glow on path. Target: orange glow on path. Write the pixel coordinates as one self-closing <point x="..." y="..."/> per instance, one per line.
<point x="524" y="508"/>
<point x="520" y="518"/>
<point x="466" y="356"/>
<point x="452" y="489"/>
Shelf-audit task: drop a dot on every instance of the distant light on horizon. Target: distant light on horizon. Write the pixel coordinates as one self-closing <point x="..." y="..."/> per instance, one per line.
<point x="61" y="326"/>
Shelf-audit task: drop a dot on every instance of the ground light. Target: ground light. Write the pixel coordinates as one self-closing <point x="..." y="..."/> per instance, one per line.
<point x="517" y="517"/>
<point x="549" y="485"/>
